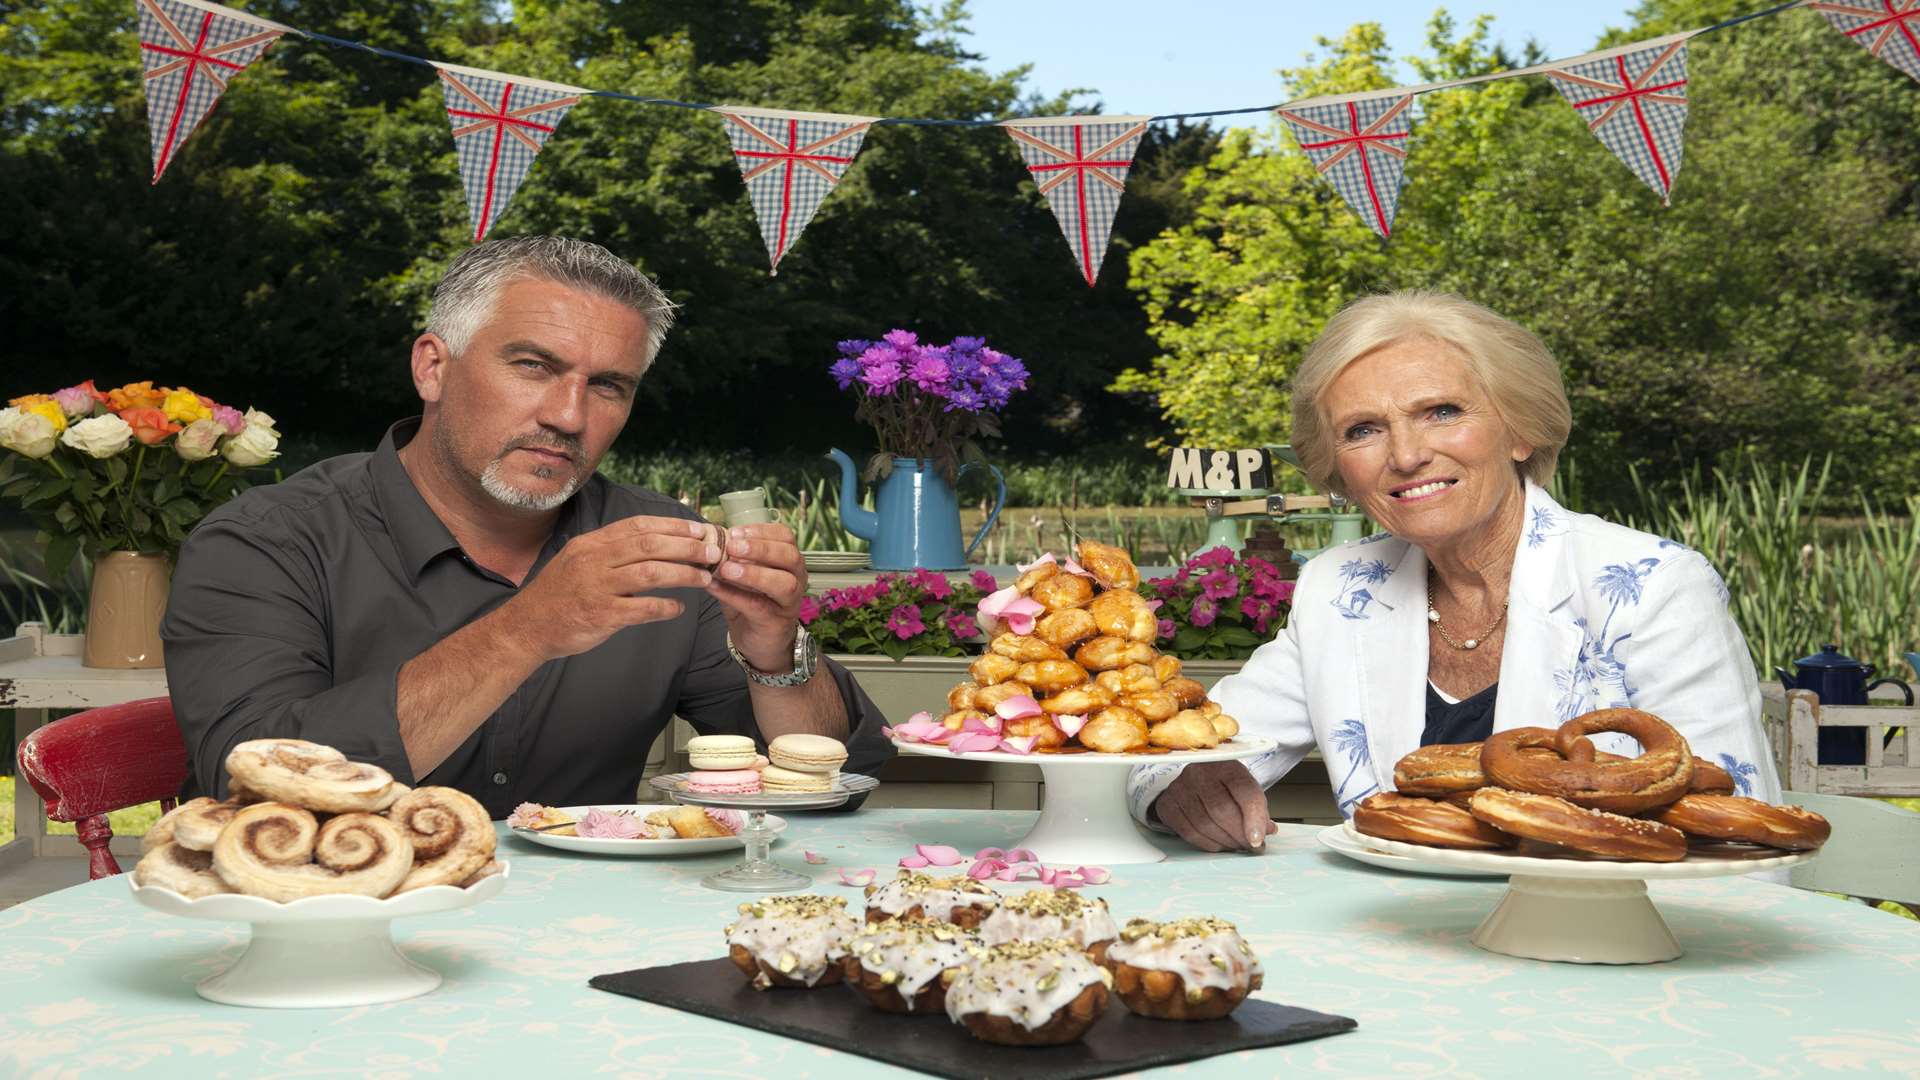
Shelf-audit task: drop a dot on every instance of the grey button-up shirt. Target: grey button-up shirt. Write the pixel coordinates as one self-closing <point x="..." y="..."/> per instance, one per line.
<point x="295" y="605"/>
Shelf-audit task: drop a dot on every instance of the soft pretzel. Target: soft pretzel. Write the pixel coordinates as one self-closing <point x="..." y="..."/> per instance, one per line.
<point x="280" y="852"/>
<point x="1710" y="779"/>
<point x="451" y="833"/>
<point x="1440" y="769"/>
<point x="1622" y="785"/>
<point x="310" y="775"/>
<point x="1733" y="817"/>
<point x="1556" y="821"/>
<point x="1414" y="820"/>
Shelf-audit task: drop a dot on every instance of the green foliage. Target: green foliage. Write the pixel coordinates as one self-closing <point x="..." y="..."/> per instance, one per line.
<point x="1219" y="606"/>
<point x="900" y="615"/>
<point x="1769" y="310"/>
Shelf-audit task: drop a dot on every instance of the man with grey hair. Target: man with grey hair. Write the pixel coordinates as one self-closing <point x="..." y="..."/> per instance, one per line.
<point x="471" y="604"/>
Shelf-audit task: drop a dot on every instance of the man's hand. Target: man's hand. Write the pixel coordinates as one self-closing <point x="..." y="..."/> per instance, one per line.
<point x="598" y="584"/>
<point x="759" y="587"/>
<point x="1217" y="807"/>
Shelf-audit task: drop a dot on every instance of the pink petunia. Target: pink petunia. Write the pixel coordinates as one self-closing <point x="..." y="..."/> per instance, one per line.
<point x="905" y="621"/>
<point x="1220" y="585"/>
<point x="961" y="625"/>
<point x="984" y="581"/>
<point x="1203" y="612"/>
<point x="809" y="610"/>
<point x="1166" y="628"/>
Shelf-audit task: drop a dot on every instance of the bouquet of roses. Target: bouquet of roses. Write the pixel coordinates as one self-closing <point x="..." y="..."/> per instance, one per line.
<point x="130" y="469"/>
<point x="900" y="615"/>
<point x="1221" y="607"/>
<point x="928" y="402"/>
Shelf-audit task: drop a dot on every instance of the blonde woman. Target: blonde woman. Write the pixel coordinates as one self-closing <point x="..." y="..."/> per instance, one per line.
<point x="1482" y="605"/>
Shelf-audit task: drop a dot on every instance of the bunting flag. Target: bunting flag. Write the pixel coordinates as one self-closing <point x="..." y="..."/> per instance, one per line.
<point x="791" y="162"/>
<point x="499" y="123"/>
<point x="1080" y="164"/>
<point x="190" y="50"/>
<point x="1360" y="145"/>
<point x="1889" y="29"/>
<point x="1635" y="100"/>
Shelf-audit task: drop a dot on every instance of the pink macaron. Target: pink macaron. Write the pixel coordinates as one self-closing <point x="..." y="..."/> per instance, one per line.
<point x="727" y="782"/>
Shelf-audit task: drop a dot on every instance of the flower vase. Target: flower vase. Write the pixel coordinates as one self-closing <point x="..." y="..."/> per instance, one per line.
<point x="915" y="520"/>
<point x="123" y="610"/>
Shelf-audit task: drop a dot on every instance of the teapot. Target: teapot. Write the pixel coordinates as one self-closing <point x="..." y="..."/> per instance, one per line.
<point x="1838" y="679"/>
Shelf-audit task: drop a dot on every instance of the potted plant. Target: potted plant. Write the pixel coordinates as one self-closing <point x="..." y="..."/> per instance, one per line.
<point x="908" y="638"/>
<point x="122" y="476"/>
<point x="1220" y="606"/>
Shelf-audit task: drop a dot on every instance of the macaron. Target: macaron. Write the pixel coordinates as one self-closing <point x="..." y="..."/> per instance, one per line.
<point x="779" y="781"/>
<point x="721" y="752"/>
<point x="727" y="782"/>
<point x="808" y="753"/>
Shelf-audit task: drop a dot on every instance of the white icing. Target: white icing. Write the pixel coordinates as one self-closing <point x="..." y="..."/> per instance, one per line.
<point x="800" y="944"/>
<point x="937" y="897"/>
<point x="1011" y="986"/>
<point x="1016" y="919"/>
<point x="914" y="952"/>
<point x="1219" y="960"/>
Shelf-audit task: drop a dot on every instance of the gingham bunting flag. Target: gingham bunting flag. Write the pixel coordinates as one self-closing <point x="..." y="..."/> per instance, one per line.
<point x="190" y="51"/>
<point x="1635" y="100"/>
<point x="1080" y="164"/>
<point x="1889" y="29"/>
<point x="791" y="162"/>
<point x="499" y="123"/>
<point x="1360" y="145"/>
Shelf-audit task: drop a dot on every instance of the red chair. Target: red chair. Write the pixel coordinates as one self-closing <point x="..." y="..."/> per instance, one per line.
<point x="105" y="759"/>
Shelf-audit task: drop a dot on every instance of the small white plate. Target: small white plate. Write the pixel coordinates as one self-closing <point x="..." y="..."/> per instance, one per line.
<point x="645" y="848"/>
<point x="1336" y="838"/>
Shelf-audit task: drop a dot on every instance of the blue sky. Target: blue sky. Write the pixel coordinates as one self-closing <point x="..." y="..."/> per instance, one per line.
<point x="1197" y="55"/>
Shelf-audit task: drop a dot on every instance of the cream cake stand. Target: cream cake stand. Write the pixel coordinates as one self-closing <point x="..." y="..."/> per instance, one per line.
<point x="1083" y="817"/>
<point x="1584" y="911"/>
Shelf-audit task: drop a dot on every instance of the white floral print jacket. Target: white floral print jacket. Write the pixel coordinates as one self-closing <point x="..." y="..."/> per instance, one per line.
<point x="1599" y="616"/>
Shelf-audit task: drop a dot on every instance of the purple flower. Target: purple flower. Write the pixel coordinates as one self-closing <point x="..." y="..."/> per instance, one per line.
<point x="961" y="625"/>
<point x="964" y="397"/>
<point x="968" y="344"/>
<point x="853" y="347"/>
<point x="1203" y="612"/>
<point x="809" y="610"/>
<point x="984" y="581"/>
<point x="882" y="378"/>
<point x="905" y="621"/>
<point x="929" y="373"/>
<point x="1220" y="584"/>
<point x="1166" y="628"/>
<point x="844" y="371"/>
<point x="937" y="585"/>
<point x="901" y="339"/>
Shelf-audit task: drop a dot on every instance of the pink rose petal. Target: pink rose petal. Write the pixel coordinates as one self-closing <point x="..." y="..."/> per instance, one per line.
<point x="973" y="741"/>
<point x="922" y="717"/>
<point x="1065" y="880"/>
<point x="914" y="862"/>
<point x="1019" y="744"/>
<point x="985" y="868"/>
<point x="1005" y="875"/>
<point x="990" y="853"/>
<point x="1070" y="724"/>
<point x="813" y="857"/>
<point x="1017" y="707"/>
<point x="1021" y="854"/>
<point x="938" y="854"/>
<point x="1019" y="624"/>
<point x="1046" y="876"/>
<point x="1072" y="567"/>
<point x="1096" y="875"/>
<point x="981" y="725"/>
<point x="1041" y="561"/>
<point x="857" y="878"/>
<point x="1154" y="605"/>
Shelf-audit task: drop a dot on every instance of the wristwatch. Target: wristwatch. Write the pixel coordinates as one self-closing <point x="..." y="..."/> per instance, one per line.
<point x="806" y="655"/>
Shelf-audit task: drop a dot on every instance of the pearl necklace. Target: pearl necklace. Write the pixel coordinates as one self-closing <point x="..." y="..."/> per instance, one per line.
<point x="1433" y="616"/>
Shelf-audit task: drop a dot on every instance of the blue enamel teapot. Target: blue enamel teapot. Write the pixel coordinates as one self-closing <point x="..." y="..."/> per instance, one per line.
<point x="1838" y="679"/>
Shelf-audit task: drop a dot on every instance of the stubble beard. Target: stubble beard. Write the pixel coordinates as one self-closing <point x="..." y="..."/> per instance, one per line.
<point x="493" y="479"/>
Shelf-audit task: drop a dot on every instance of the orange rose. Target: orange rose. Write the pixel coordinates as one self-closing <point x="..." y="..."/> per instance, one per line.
<point x="92" y="392"/>
<point x="27" y="401"/>
<point x="150" y="426"/>
<point x="136" y="395"/>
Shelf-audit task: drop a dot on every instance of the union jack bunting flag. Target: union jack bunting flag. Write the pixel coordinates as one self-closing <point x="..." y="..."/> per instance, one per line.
<point x="1635" y="100"/>
<point x="1081" y="166"/>
<point x="190" y="51"/>
<point x="791" y="162"/>
<point x="1889" y="29"/>
<point x="499" y="123"/>
<point x="1360" y="146"/>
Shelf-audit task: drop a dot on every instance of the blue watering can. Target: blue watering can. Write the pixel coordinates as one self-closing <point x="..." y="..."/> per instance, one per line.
<point x="916" y="517"/>
<point x="1913" y="661"/>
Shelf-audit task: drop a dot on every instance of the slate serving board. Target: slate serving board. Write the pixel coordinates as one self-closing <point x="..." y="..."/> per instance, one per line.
<point x="838" y="1017"/>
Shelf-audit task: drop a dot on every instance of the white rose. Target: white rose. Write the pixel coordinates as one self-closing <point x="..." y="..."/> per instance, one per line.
<point x="198" y="441"/>
<point x="27" y="433"/>
<point x="257" y="419"/>
<point x="254" y="446"/>
<point x="101" y="437"/>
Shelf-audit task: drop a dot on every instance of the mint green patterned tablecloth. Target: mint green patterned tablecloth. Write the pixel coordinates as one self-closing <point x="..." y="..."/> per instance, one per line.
<point x="1775" y="982"/>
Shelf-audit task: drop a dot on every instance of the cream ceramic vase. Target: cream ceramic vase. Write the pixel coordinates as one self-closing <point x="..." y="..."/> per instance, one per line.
<point x="123" y="611"/>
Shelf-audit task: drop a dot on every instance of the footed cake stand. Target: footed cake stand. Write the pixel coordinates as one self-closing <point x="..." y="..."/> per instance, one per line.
<point x="758" y="872"/>
<point x="1083" y="817"/>
<point x="1584" y="911"/>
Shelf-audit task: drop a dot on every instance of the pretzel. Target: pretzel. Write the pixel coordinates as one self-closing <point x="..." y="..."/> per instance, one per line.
<point x="1432" y="822"/>
<point x="1595" y="832"/>
<point x="1437" y="770"/>
<point x="1732" y="817"/>
<point x="1709" y="779"/>
<point x="1624" y="785"/>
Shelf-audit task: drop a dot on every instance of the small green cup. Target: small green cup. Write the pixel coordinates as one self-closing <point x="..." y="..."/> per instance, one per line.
<point x="748" y="507"/>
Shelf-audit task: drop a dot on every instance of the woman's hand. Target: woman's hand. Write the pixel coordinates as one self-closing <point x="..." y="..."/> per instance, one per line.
<point x="1218" y="806"/>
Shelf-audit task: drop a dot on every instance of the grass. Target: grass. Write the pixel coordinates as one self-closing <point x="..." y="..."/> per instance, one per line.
<point x="133" y="821"/>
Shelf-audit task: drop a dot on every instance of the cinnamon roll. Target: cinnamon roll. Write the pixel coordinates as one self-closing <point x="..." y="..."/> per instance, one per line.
<point x="281" y="852"/>
<point x="310" y="775"/>
<point x="451" y="834"/>
<point x="185" y="871"/>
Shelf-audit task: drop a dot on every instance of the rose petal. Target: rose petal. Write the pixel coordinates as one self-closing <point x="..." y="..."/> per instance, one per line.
<point x="1021" y="854"/>
<point x="985" y="868"/>
<point x="1096" y="875"/>
<point x="938" y="854"/>
<point x="938" y="737"/>
<point x="813" y="857"/>
<point x="1154" y="605"/>
<point x="1017" y="707"/>
<point x="1005" y="875"/>
<point x="981" y="725"/>
<point x="922" y="717"/>
<point x="857" y="878"/>
<point x="990" y="853"/>
<point x="913" y="862"/>
<point x="973" y="741"/>
<point x="1041" y="561"/>
<point x="1020" y="624"/>
<point x="1066" y="880"/>
<point x="996" y="603"/>
<point x="1070" y="724"/>
<point x="1046" y="876"/>
<point x="1072" y="567"/>
<point x="1019" y="744"/>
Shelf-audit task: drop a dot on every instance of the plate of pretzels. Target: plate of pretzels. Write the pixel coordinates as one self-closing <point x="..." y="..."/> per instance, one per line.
<point x="1548" y="793"/>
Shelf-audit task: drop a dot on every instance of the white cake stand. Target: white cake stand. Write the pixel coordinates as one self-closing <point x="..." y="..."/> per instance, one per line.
<point x="322" y="952"/>
<point x="757" y="872"/>
<point x="1585" y="911"/>
<point x="1084" y="819"/>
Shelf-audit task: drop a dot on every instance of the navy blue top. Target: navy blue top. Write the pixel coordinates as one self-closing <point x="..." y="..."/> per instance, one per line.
<point x="1464" y="721"/>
